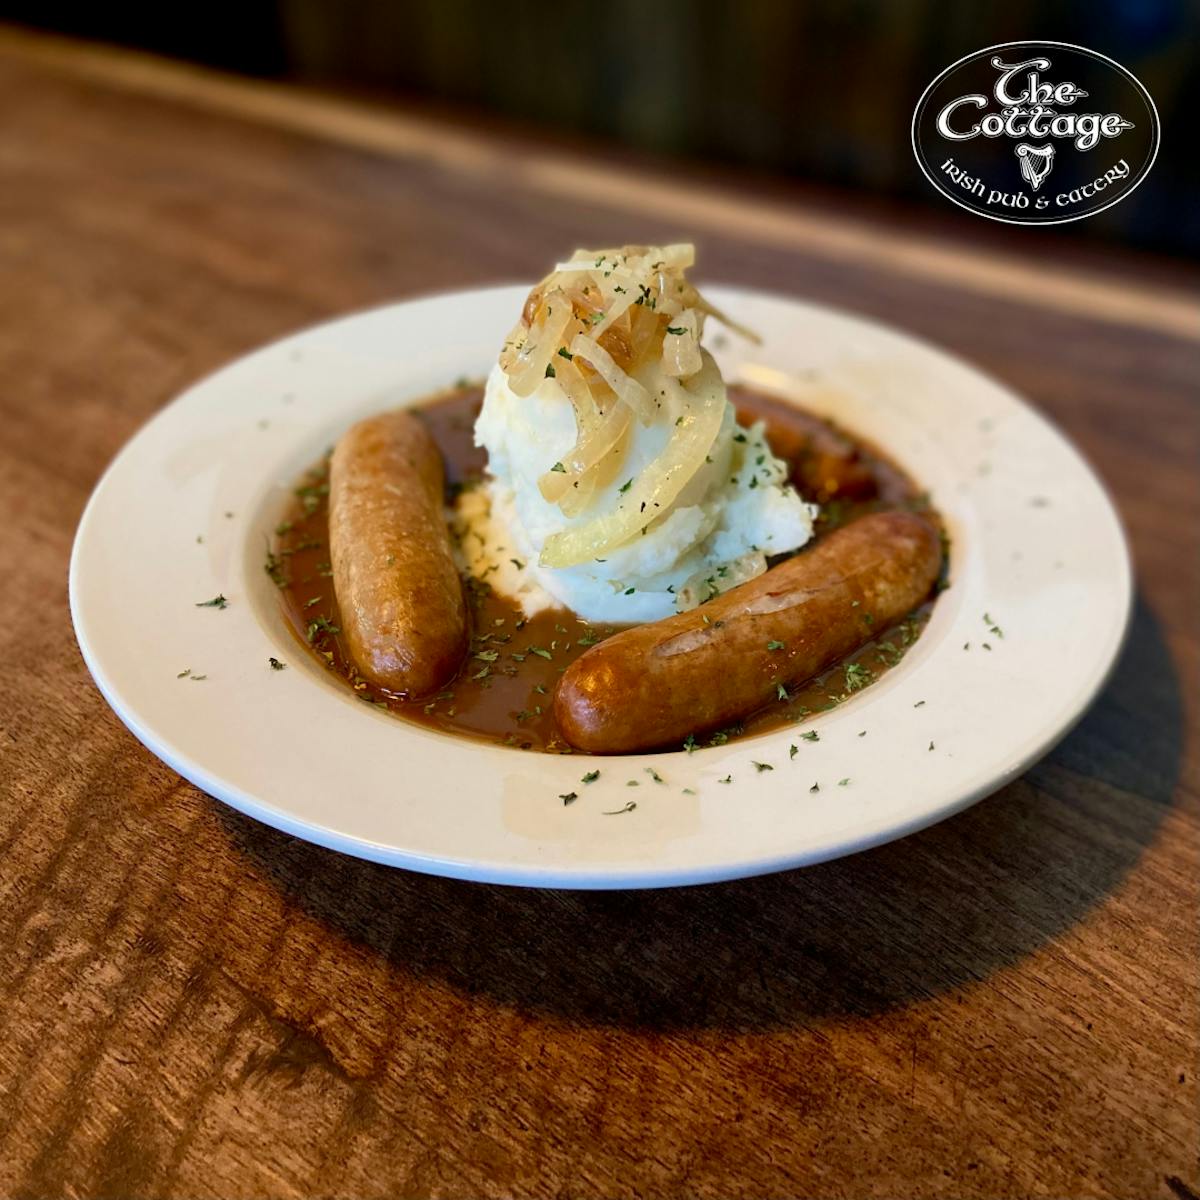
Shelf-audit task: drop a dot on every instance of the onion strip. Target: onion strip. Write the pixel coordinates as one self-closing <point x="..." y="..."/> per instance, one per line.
<point x="659" y="484"/>
<point x="587" y="452"/>
<point x="624" y="387"/>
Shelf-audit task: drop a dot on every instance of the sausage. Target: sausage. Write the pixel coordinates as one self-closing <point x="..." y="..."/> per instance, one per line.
<point x="401" y="599"/>
<point x="652" y="685"/>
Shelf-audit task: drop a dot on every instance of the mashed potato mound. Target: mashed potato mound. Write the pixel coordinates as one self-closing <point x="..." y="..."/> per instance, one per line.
<point x="734" y="512"/>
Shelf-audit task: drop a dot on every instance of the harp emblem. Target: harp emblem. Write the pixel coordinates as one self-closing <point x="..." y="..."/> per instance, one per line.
<point x="1036" y="162"/>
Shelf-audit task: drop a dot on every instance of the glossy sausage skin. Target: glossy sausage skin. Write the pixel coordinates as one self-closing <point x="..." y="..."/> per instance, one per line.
<point x="651" y="686"/>
<point x="403" y="610"/>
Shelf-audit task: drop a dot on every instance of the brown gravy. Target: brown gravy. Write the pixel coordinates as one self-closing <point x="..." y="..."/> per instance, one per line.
<point x="503" y="693"/>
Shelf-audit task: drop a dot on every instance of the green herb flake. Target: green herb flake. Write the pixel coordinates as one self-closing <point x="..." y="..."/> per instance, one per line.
<point x="625" y="486"/>
<point x="655" y="775"/>
<point x="568" y="798"/>
<point x="843" y="782"/>
<point x="590" y="777"/>
<point x="549" y="371"/>
<point x="559" y="469"/>
<point x="540" y="653"/>
<point x="616" y="812"/>
<point x="857" y="676"/>
<point x="811" y="736"/>
<point x="793" y="750"/>
<point x="781" y="692"/>
<point x="563" y="352"/>
<point x="320" y="627"/>
<point x="727" y="779"/>
<point x="215" y="602"/>
<point x="676" y="330"/>
<point x="276" y="665"/>
<point x="689" y="743"/>
<point x="776" y="645"/>
<point x="760" y="767"/>
<point x="816" y="787"/>
<point x="184" y="673"/>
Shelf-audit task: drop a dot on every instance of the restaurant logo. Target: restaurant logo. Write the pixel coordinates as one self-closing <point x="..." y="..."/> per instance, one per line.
<point x="1035" y="133"/>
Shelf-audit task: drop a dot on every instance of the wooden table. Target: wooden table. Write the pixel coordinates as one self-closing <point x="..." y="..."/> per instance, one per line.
<point x="194" y="1005"/>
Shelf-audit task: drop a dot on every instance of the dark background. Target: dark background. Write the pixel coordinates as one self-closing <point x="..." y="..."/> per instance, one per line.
<point x="820" y="92"/>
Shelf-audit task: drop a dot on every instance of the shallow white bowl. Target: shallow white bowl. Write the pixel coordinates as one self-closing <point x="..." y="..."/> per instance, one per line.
<point x="185" y="511"/>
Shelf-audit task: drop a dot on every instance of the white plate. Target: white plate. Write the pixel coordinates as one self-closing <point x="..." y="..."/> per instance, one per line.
<point x="1036" y="545"/>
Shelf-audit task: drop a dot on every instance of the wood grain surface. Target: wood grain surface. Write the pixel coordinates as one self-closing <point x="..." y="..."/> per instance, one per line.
<point x="196" y="1006"/>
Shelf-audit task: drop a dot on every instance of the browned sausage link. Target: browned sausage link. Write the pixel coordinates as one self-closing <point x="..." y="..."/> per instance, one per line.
<point x="401" y="598"/>
<point x="653" y="685"/>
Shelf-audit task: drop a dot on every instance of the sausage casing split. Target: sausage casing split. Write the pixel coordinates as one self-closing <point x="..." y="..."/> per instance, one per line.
<point x="401" y="599"/>
<point x="652" y="685"/>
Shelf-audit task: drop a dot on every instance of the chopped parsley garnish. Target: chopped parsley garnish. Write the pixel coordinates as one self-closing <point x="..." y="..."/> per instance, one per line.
<point x="816" y="787"/>
<point x="931" y="745"/>
<point x="320" y="627"/>
<point x="215" y="602"/>
<point x="616" y="812"/>
<point x="793" y="750"/>
<point x="760" y="767"/>
<point x="274" y="568"/>
<point x="992" y="626"/>
<point x="776" y="646"/>
<point x="559" y="468"/>
<point x="843" y="782"/>
<point x="811" y="736"/>
<point x="727" y="779"/>
<point x="781" y="692"/>
<point x="677" y="329"/>
<point x="590" y="777"/>
<point x="568" y="798"/>
<point x="184" y="673"/>
<point x="918" y="704"/>
<point x="563" y="352"/>
<point x="628" y="591"/>
<point x="540" y="653"/>
<point x="487" y="656"/>
<point x="857" y="676"/>
<point x="276" y="665"/>
<point x="739" y="437"/>
<point x="516" y="562"/>
<point x="655" y="775"/>
<point x="625" y="486"/>
<point x="549" y="371"/>
<point x="689" y="743"/>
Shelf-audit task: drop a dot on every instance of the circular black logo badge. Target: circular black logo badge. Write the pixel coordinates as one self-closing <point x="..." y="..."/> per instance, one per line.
<point x="1035" y="133"/>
